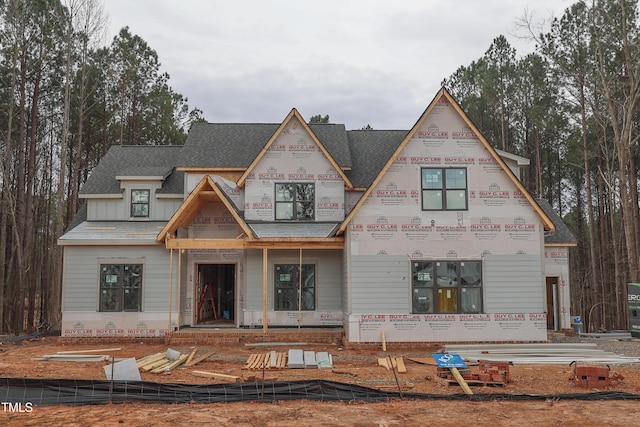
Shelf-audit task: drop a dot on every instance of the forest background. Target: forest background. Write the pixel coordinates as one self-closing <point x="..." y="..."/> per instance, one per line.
<point x="571" y="107"/>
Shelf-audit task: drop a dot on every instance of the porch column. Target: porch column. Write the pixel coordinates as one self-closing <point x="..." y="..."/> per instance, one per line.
<point x="265" y="306"/>
<point x="170" y="288"/>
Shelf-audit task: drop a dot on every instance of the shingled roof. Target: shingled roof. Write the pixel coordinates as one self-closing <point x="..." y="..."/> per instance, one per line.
<point x="562" y="235"/>
<point x="370" y="150"/>
<point x="136" y="160"/>
<point x="236" y="145"/>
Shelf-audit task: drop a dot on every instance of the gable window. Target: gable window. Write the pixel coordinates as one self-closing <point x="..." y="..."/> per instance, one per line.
<point x="140" y="203"/>
<point x="120" y="287"/>
<point x="446" y="286"/>
<point x="287" y="284"/>
<point x="295" y="201"/>
<point x="444" y="189"/>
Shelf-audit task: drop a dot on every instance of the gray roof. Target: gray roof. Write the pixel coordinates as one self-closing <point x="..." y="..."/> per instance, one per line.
<point x="113" y="232"/>
<point x="224" y="145"/>
<point x="370" y="150"/>
<point x="263" y="230"/>
<point x="236" y="145"/>
<point x="135" y="160"/>
<point x="562" y="235"/>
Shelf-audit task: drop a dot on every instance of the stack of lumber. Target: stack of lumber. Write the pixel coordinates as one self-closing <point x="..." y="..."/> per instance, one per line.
<point x="162" y="362"/>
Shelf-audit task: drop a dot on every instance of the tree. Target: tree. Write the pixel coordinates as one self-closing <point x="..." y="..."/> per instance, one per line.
<point x="319" y="119"/>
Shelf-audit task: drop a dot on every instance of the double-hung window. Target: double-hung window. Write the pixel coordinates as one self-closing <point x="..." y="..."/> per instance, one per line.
<point x="446" y="286"/>
<point x="444" y="189"/>
<point x="140" y="203"/>
<point x="289" y="289"/>
<point x="295" y="201"/>
<point x="120" y="287"/>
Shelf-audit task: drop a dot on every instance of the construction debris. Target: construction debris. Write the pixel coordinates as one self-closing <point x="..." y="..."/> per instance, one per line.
<point x="217" y="376"/>
<point x="73" y="357"/>
<point x="396" y="363"/>
<point x="594" y="376"/>
<point x="124" y="370"/>
<point x="553" y="353"/>
<point x="195" y="361"/>
<point x="271" y="360"/>
<point x="489" y="373"/>
<point x="293" y="359"/>
<point x="162" y="362"/>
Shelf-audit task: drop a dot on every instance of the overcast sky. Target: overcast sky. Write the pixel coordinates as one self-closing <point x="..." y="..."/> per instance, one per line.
<point x="377" y="62"/>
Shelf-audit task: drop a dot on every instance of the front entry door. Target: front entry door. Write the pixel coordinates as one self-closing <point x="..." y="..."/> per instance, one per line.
<point x="215" y="294"/>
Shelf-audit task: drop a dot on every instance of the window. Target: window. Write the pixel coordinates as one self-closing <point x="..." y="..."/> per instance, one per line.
<point x="140" y="203"/>
<point x="287" y="282"/>
<point x="295" y="201"/>
<point x="446" y="286"/>
<point x="444" y="189"/>
<point x="120" y="287"/>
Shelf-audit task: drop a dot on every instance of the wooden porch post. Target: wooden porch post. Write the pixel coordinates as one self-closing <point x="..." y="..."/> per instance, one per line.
<point x="179" y="297"/>
<point x="265" y="306"/>
<point x="300" y="290"/>
<point x="170" y="288"/>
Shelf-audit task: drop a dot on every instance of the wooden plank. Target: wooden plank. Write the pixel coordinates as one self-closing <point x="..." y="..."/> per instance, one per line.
<point x="200" y="358"/>
<point x="99" y="350"/>
<point x="170" y="366"/>
<point x="217" y="376"/>
<point x="382" y="361"/>
<point x="250" y="360"/>
<point x="258" y="362"/>
<point x="191" y="355"/>
<point x="273" y="359"/>
<point x="156" y="364"/>
<point x="384" y="342"/>
<point x="461" y="381"/>
<point x="402" y="369"/>
<point x="282" y="360"/>
<point x="151" y="358"/>
<point x="423" y="360"/>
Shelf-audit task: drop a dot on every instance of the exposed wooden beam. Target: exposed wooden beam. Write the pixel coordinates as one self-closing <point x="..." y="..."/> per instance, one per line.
<point x="291" y="243"/>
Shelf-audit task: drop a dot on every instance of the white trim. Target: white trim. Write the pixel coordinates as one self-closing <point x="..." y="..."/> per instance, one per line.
<point x="102" y="196"/>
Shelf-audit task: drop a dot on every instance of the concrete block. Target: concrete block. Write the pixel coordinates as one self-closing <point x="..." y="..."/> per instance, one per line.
<point x="295" y="359"/>
<point x="310" y="359"/>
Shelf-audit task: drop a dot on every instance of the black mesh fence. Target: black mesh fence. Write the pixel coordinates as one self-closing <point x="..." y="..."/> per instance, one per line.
<point x="39" y="392"/>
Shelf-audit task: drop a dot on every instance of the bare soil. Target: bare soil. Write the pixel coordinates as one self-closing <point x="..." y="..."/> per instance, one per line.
<point x="350" y="366"/>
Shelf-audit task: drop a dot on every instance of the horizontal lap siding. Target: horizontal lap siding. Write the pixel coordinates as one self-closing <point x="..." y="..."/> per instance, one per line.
<point x="328" y="276"/>
<point x="82" y="279"/>
<point x="379" y="284"/>
<point x="513" y="284"/>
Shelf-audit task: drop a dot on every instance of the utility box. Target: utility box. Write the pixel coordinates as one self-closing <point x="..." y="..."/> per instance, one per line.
<point x="633" y="298"/>
<point x="578" y="326"/>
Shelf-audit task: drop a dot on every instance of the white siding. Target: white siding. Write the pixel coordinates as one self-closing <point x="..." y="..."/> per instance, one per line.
<point x="81" y="276"/>
<point x="513" y="284"/>
<point x="379" y="284"/>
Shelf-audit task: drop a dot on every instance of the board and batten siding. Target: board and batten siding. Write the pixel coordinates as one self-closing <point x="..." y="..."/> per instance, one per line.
<point x="379" y="284"/>
<point x="328" y="276"/>
<point x="82" y="275"/>
<point x="513" y="284"/>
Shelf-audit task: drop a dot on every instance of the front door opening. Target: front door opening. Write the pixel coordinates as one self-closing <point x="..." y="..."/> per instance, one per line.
<point x="215" y="294"/>
<point x="553" y="304"/>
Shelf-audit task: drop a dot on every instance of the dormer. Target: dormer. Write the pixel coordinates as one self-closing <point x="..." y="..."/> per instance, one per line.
<point x="140" y="186"/>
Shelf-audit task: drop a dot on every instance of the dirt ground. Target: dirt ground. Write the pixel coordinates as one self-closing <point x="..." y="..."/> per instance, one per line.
<point x="355" y="367"/>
